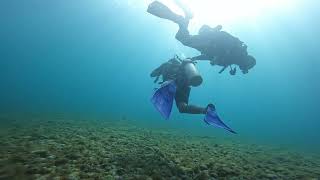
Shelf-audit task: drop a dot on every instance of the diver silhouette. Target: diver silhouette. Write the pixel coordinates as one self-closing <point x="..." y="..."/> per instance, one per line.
<point x="219" y="47"/>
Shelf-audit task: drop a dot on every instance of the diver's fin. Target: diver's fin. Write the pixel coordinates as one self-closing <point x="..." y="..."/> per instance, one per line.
<point x="187" y="11"/>
<point x="160" y="10"/>
<point x="212" y="118"/>
<point x="163" y="97"/>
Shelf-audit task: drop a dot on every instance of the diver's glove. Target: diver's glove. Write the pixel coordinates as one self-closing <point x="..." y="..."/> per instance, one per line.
<point x="210" y="106"/>
<point x="233" y="71"/>
<point x="245" y="71"/>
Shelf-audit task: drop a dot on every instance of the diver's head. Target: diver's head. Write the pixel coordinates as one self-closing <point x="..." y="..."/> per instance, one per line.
<point x="248" y="63"/>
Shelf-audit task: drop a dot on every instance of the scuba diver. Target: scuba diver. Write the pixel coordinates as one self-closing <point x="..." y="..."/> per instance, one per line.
<point x="177" y="78"/>
<point x="173" y="70"/>
<point x="219" y="47"/>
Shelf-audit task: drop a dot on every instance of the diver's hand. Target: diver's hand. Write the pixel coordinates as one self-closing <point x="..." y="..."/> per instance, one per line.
<point x="233" y="71"/>
<point x="211" y="106"/>
<point x="245" y="71"/>
<point x="193" y="61"/>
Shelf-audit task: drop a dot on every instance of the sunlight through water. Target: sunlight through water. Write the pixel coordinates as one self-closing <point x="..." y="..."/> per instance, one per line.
<point x="232" y="11"/>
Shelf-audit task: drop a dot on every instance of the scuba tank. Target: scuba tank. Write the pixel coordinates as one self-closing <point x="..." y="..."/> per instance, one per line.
<point x="191" y="74"/>
<point x="183" y="71"/>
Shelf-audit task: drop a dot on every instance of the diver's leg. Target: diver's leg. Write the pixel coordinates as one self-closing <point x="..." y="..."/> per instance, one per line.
<point x="160" y="10"/>
<point x="183" y="34"/>
<point x="190" y="109"/>
<point x="186" y="10"/>
<point x="182" y="98"/>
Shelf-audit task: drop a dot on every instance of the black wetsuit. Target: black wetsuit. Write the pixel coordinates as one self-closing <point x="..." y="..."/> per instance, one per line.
<point x="172" y="70"/>
<point x="214" y="44"/>
<point x="182" y="101"/>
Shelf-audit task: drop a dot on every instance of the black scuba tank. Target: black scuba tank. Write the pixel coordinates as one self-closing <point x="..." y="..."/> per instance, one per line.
<point x="192" y="75"/>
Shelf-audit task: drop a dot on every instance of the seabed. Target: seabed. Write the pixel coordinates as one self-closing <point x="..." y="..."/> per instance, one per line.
<point x="61" y="148"/>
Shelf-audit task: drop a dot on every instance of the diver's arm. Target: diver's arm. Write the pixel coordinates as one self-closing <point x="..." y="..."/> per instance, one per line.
<point x="201" y="57"/>
<point x="224" y="68"/>
<point x="204" y="57"/>
<point x="157" y="71"/>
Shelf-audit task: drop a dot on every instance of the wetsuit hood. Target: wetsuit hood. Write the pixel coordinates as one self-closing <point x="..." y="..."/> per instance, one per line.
<point x="248" y="63"/>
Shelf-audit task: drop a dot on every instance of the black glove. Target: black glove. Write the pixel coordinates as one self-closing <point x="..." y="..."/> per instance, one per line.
<point x="211" y="106"/>
<point x="233" y="71"/>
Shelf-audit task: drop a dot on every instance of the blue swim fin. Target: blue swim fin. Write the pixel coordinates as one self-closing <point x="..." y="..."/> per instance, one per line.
<point x="163" y="97"/>
<point x="212" y="118"/>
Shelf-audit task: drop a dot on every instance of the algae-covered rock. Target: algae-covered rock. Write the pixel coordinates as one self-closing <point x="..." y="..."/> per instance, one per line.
<point x="60" y="161"/>
<point x="203" y="175"/>
<point x="73" y="176"/>
<point x="73" y="156"/>
<point x="271" y="176"/>
<point x="203" y="167"/>
<point x="41" y="152"/>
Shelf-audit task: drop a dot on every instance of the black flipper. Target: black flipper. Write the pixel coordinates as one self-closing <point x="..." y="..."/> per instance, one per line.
<point x="163" y="98"/>
<point x="160" y="10"/>
<point x="212" y="118"/>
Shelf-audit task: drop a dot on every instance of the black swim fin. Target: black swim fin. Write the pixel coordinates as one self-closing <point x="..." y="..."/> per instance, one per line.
<point x="160" y="10"/>
<point x="212" y="118"/>
<point x="163" y="98"/>
<point x="187" y="11"/>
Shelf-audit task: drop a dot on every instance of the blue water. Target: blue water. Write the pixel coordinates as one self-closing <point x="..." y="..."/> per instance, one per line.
<point x="95" y="57"/>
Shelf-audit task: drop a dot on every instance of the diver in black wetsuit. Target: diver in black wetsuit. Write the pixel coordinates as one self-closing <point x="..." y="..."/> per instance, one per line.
<point x="219" y="47"/>
<point x="184" y="73"/>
